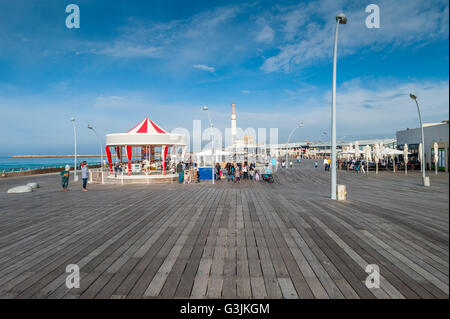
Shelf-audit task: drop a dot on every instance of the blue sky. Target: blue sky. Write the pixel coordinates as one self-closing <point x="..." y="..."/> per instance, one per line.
<point x="166" y="59"/>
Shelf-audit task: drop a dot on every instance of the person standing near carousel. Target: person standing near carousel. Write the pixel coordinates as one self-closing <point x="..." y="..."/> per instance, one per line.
<point x="180" y="172"/>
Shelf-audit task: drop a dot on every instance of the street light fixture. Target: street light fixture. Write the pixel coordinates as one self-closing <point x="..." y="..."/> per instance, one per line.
<point x="205" y="108"/>
<point x="340" y="19"/>
<point x="289" y="138"/>
<point x="425" y="179"/>
<point x="100" y="145"/>
<point x="75" y="176"/>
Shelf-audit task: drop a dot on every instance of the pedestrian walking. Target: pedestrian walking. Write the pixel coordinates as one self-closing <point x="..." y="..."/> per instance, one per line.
<point x="237" y="175"/>
<point x="257" y="175"/>
<point x="84" y="175"/>
<point x="362" y="167"/>
<point x="65" y="178"/>
<point x="316" y="164"/>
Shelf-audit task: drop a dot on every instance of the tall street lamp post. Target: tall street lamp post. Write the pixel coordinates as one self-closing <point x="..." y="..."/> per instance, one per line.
<point x="340" y="19"/>
<point x="100" y="145"/>
<point x="289" y="138"/>
<point x="75" y="176"/>
<point x="205" y="108"/>
<point x="425" y="179"/>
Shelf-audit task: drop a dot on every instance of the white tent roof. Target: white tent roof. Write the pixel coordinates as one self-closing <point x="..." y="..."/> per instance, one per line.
<point x="352" y="151"/>
<point x="216" y="152"/>
<point x="146" y="132"/>
<point x="391" y="151"/>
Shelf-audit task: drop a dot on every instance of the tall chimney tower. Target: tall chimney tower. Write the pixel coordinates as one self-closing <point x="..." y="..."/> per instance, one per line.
<point x="233" y="123"/>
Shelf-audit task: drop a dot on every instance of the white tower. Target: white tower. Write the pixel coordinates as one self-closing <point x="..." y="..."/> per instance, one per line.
<point x="233" y="123"/>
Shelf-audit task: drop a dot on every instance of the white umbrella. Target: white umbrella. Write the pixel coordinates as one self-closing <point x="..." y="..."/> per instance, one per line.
<point x="367" y="155"/>
<point x="377" y="156"/>
<point x="390" y="151"/>
<point x="357" y="150"/>
<point x="420" y="155"/>
<point x="436" y="156"/>
<point x="405" y="157"/>
<point x="352" y="151"/>
<point x="381" y="148"/>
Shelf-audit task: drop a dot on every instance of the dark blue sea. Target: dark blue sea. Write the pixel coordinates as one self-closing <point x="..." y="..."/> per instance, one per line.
<point x="8" y="164"/>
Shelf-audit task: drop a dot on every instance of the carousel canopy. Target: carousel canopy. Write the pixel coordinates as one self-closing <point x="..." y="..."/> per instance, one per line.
<point x="146" y="132"/>
<point x="147" y="126"/>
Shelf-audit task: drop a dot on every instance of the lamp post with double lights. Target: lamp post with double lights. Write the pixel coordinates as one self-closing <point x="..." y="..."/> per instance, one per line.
<point x="101" y="148"/>
<point x="289" y="138"/>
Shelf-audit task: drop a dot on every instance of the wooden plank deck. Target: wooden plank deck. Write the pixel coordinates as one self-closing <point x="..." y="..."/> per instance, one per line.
<point x="248" y="240"/>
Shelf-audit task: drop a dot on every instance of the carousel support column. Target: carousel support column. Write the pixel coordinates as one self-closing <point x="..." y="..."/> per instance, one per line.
<point x="129" y="155"/>
<point x="108" y="155"/>
<point x="163" y="158"/>
<point x="118" y="153"/>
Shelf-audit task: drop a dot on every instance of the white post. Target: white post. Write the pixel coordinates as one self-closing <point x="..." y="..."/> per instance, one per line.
<point x="340" y="19"/>
<point x="424" y="179"/>
<point x="333" y="118"/>
<point x="75" y="176"/>
<point x="213" y="153"/>
<point x="205" y="108"/>
<point x="101" y="148"/>
<point x="423" y="142"/>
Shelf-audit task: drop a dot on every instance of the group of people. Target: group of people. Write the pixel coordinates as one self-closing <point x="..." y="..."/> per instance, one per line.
<point x="66" y="173"/>
<point x="356" y="165"/>
<point x="247" y="172"/>
<point x="235" y="172"/>
<point x="283" y="163"/>
<point x="187" y="172"/>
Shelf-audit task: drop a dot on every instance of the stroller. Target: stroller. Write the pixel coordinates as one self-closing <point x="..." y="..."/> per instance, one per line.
<point x="268" y="178"/>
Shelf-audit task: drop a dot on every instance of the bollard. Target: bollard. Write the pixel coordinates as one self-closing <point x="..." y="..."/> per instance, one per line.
<point x="341" y="192"/>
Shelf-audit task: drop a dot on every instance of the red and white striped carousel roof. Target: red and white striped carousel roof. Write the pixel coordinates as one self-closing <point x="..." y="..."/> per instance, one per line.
<point x="147" y="126"/>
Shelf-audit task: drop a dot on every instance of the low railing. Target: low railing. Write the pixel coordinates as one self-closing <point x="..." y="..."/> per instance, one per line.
<point x="105" y="176"/>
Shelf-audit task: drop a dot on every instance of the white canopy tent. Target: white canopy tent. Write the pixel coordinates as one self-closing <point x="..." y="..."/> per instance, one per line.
<point x="206" y="156"/>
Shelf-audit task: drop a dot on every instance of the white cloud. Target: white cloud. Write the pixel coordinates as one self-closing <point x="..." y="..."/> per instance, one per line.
<point x="246" y="91"/>
<point x="309" y="29"/>
<point x="265" y="35"/>
<point x="124" y="50"/>
<point x="381" y="109"/>
<point x="204" y="67"/>
<point x="111" y="102"/>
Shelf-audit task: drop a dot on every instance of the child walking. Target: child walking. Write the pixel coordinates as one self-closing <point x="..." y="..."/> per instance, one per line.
<point x="84" y="175"/>
<point x="237" y="175"/>
<point x="65" y="178"/>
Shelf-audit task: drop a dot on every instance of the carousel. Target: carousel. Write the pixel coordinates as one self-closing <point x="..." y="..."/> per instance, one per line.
<point x="146" y="153"/>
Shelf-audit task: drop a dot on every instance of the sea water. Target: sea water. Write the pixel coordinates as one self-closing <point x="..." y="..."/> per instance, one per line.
<point x="8" y="164"/>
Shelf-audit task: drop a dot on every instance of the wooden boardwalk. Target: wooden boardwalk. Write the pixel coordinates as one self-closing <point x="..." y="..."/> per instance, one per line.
<point x="284" y="240"/>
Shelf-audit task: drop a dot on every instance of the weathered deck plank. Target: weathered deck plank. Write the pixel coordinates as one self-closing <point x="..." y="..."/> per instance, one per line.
<point x="247" y="240"/>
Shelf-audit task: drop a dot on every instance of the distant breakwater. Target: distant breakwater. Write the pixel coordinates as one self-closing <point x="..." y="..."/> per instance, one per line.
<point x="53" y="156"/>
<point x="37" y="171"/>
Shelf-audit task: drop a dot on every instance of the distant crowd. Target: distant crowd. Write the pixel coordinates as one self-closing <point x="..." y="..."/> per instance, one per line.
<point x="231" y="172"/>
